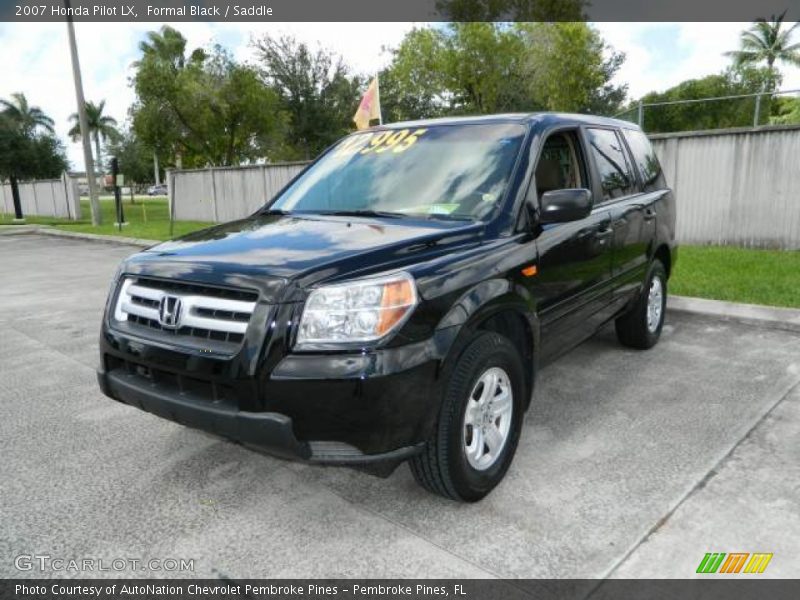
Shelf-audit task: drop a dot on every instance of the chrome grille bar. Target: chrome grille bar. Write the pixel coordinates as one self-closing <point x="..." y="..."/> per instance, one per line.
<point x="199" y="315"/>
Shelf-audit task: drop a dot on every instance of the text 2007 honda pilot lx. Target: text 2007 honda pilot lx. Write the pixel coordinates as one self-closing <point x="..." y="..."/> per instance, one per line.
<point x="396" y="300"/>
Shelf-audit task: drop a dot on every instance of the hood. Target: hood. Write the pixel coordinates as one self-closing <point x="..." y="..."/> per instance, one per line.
<point x="271" y="250"/>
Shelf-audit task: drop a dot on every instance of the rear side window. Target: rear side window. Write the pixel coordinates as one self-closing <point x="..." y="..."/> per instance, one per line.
<point x="615" y="172"/>
<point x="644" y="156"/>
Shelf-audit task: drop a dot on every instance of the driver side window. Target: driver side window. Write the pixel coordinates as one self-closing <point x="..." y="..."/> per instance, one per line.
<point x="560" y="165"/>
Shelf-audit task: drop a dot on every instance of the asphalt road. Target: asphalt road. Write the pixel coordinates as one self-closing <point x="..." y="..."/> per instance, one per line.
<point x="631" y="464"/>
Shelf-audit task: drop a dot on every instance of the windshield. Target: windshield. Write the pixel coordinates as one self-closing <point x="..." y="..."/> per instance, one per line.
<point x="443" y="171"/>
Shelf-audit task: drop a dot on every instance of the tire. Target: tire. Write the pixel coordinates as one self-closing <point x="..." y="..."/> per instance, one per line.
<point x="446" y="466"/>
<point x="640" y="327"/>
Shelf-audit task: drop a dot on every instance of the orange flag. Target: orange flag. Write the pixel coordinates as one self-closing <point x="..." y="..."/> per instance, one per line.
<point x="370" y="107"/>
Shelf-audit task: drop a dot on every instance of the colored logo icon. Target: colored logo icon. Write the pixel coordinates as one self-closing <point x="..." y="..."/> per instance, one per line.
<point x="734" y="562"/>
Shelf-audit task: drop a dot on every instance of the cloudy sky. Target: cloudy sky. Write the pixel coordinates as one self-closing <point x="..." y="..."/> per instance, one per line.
<point x="659" y="55"/>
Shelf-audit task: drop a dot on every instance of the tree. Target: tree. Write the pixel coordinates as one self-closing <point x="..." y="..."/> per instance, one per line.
<point x="28" y="118"/>
<point x="48" y="158"/>
<point x="30" y="150"/>
<point x="165" y="51"/>
<point x="786" y="112"/>
<point x="465" y="68"/>
<point x="512" y="10"/>
<point x="415" y="86"/>
<point x="239" y="118"/>
<point x="134" y="158"/>
<point x="315" y="89"/>
<point x="497" y="67"/>
<point x="768" y="42"/>
<point x="168" y="46"/>
<point x="101" y="127"/>
<point x="12" y="155"/>
<point x="485" y="67"/>
<point x="570" y="68"/>
<point x="27" y="154"/>
<point x="712" y="114"/>
<point x="204" y="110"/>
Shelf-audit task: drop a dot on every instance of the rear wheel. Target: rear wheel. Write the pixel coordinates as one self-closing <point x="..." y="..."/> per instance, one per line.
<point x="641" y="326"/>
<point x="479" y="423"/>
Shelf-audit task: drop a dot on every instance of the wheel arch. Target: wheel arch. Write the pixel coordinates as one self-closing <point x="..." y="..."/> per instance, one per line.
<point x="664" y="254"/>
<point x="500" y="307"/>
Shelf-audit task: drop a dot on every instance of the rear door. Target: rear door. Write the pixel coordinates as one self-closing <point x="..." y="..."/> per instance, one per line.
<point x="631" y="211"/>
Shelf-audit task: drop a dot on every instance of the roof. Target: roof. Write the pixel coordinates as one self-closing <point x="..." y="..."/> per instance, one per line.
<point x="545" y="118"/>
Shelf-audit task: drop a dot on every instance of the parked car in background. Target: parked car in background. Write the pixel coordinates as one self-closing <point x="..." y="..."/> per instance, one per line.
<point x="157" y="190"/>
<point x="397" y="300"/>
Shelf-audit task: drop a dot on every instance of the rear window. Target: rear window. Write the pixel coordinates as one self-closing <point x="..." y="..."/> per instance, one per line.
<point x="644" y="156"/>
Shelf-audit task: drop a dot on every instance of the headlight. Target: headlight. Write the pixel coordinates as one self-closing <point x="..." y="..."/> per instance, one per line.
<point x="357" y="311"/>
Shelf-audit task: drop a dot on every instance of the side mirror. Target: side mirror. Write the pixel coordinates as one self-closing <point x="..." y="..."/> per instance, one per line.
<point x="561" y="206"/>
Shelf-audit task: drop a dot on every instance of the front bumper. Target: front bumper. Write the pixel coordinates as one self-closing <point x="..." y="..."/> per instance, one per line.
<point x="272" y="431"/>
<point x="372" y="409"/>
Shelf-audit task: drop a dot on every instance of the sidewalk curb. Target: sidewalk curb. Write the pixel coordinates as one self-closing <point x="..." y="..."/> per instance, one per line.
<point x="785" y="319"/>
<point x="771" y="317"/>
<point x="94" y="237"/>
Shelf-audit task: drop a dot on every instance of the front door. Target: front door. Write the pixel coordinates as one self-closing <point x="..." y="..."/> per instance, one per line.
<point x="574" y="267"/>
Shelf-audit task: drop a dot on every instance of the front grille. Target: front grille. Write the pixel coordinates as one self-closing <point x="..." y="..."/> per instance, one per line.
<point x="196" y="289"/>
<point x="184" y="311"/>
<point x="195" y="332"/>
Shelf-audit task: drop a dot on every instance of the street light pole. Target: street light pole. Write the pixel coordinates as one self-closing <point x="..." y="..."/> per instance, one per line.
<point x="97" y="218"/>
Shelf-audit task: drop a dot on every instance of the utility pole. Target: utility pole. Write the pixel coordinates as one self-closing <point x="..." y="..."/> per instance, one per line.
<point x="156" y="174"/>
<point x="757" y="111"/>
<point x="97" y="218"/>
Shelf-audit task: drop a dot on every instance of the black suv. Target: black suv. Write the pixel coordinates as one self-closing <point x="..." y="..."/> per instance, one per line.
<point x="396" y="300"/>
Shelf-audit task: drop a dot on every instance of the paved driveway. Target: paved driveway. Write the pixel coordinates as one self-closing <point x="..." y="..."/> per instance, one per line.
<point x="631" y="463"/>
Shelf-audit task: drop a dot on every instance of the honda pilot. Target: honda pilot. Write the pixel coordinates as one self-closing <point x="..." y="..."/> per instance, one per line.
<point x="397" y="300"/>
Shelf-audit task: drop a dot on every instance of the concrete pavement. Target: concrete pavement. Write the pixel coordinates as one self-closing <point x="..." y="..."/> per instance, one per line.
<point x="631" y="463"/>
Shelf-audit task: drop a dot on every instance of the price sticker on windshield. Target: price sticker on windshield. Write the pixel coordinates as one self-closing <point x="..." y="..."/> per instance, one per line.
<point x="391" y="141"/>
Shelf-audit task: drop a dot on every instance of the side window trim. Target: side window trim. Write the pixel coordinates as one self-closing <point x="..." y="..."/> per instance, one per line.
<point x="641" y="176"/>
<point x="587" y="175"/>
<point x="638" y="179"/>
<point x="602" y="200"/>
<point x="576" y="145"/>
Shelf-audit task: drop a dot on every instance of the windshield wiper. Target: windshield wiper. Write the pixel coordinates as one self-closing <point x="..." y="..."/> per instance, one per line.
<point x="363" y="213"/>
<point x="448" y="217"/>
<point x="274" y="211"/>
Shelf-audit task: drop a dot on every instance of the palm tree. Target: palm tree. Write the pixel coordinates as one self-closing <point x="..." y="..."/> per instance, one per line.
<point x="168" y="46"/>
<point x="101" y="127"/>
<point x="770" y="42"/>
<point x="27" y="117"/>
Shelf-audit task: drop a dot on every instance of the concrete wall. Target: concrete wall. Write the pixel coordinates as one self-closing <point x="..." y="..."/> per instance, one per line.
<point x="735" y="187"/>
<point x="44" y="198"/>
<point x="226" y="193"/>
<point x="738" y="186"/>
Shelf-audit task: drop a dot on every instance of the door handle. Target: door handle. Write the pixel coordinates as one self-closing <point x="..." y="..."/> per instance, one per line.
<point x="649" y="214"/>
<point x="604" y="233"/>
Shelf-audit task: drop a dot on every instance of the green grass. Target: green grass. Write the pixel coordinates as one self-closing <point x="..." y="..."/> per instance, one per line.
<point x="769" y="277"/>
<point x="147" y="219"/>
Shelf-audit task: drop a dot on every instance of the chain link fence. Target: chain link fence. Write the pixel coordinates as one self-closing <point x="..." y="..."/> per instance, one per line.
<point x="739" y="110"/>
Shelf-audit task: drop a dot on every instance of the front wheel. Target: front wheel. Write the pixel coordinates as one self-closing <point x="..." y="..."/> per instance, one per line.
<point x="641" y="326"/>
<point x="479" y="423"/>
